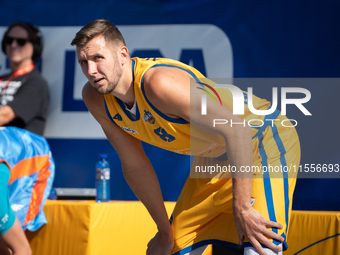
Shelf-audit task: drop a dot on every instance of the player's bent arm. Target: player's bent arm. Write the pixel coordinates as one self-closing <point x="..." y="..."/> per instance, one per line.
<point x="250" y="224"/>
<point x="15" y="240"/>
<point x="169" y="90"/>
<point x="137" y="168"/>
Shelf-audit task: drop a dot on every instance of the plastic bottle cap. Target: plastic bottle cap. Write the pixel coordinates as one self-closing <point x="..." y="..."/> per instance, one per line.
<point x="103" y="156"/>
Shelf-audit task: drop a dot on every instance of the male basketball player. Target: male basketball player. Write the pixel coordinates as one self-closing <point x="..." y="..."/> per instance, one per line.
<point x="156" y="101"/>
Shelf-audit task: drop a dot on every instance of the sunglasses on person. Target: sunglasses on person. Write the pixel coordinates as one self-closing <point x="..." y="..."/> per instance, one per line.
<point x="20" y="41"/>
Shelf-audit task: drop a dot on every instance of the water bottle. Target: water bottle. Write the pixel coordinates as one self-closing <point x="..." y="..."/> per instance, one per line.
<point x="102" y="179"/>
<point x="53" y="195"/>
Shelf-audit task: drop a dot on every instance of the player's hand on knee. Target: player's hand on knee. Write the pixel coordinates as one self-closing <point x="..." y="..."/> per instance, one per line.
<point x="252" y="225"/>
<point x="161" y="244"/>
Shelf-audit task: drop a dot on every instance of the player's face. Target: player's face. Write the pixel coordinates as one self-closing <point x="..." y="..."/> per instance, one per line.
<point x="19" y="49"/>
<point x="99" y="62"/>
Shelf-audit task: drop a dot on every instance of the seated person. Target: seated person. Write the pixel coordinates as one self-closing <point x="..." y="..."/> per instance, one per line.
<point x="24" y="94"/>
<point x="26" y="177"/>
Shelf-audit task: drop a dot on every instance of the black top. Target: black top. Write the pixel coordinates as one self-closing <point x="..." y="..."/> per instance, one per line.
<point x="28" y="96"/>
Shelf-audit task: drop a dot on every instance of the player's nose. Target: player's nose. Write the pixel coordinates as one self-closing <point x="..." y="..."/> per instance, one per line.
<point x="92" y="68"/>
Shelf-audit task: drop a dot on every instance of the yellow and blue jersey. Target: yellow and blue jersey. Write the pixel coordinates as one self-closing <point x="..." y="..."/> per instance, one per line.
<point x="203" y="213"/>
<point x="158" y="129"/>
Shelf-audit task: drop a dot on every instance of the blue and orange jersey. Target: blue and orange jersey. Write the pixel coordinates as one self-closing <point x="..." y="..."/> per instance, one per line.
<point x="32" y="168"/>
<point x="176" y="135"/>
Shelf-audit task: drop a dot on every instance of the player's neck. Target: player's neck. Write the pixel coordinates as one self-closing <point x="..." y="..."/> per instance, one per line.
<point x="125" y="88"/>
<point x="129" y="98"/>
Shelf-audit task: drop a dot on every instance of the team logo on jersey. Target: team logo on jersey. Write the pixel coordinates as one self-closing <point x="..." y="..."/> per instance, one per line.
<point x="17" y="207"/>
<point x="118" y="117"/>
<point x="148" y="117"/>
<point x="4" y="219"/>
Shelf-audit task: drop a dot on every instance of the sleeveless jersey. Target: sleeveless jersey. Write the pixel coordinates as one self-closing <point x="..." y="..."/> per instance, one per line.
<point x="203" y="217"/>
<point x="176" y="135"/>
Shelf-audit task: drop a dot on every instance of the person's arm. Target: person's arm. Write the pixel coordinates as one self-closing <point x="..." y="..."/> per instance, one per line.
<point x="6" y="115"/>
<point x="31" y="99"/>
<point x="136" y="166"/>
<point x="168" y="89"/>
<point x="14" y="241"/>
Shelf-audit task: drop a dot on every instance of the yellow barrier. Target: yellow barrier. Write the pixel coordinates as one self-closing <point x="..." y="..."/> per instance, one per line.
<point x="89" y="228"/>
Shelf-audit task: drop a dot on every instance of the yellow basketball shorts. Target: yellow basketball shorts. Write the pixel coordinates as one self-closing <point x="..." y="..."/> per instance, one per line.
<point x="203" y="212"/>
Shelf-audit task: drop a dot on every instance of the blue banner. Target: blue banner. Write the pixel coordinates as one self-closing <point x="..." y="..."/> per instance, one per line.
<point x="239" y="39"/>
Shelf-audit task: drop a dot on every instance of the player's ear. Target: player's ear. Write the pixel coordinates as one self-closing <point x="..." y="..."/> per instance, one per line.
<point x="124" y="54"/>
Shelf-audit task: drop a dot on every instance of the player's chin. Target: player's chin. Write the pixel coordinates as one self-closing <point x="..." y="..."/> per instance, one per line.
<point x="99" y="87"/>
<point x="102" y="90"/>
